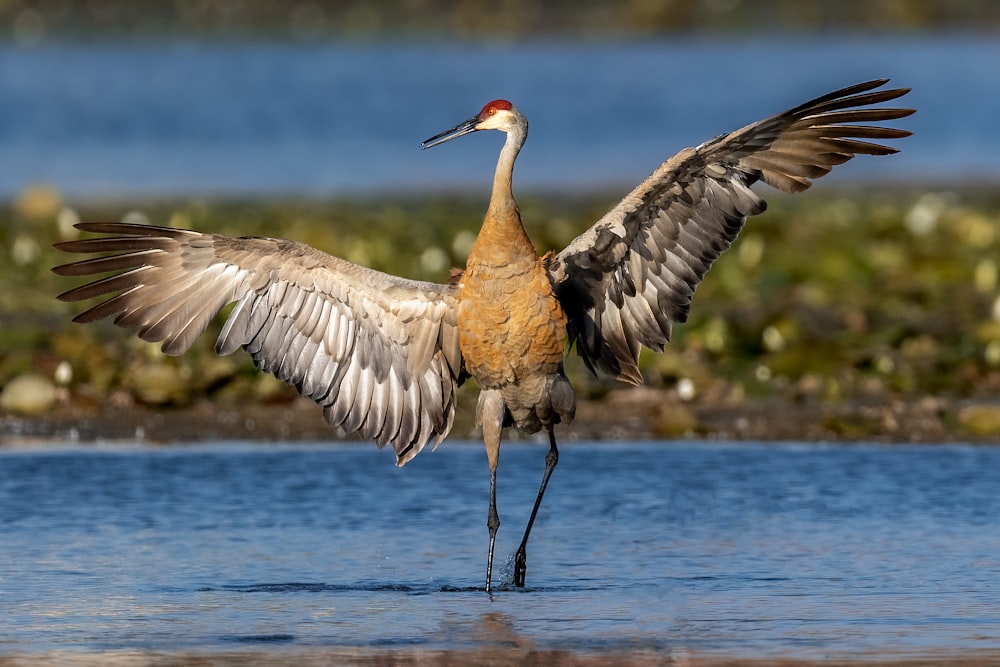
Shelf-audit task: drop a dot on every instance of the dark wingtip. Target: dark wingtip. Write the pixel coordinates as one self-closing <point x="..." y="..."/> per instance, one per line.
<point x="62" y="269"/>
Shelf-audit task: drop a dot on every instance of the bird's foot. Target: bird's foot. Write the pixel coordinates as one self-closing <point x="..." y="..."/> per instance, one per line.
<point x="520" y="566"/>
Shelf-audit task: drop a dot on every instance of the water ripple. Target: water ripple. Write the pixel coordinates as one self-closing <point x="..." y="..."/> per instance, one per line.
<point x="758" y="549"/>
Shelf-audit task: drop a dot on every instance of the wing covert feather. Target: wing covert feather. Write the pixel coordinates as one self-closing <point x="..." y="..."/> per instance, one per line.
<point x="627" y="279"/>
<point x="379" y="353"/>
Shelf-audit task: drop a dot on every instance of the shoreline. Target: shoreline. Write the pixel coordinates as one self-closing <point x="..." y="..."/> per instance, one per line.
<point x="640" y="413"/>
<point x="892" y="334"/>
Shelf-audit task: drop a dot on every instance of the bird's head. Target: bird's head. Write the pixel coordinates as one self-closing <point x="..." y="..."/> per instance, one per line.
<point x="496" y="115"/>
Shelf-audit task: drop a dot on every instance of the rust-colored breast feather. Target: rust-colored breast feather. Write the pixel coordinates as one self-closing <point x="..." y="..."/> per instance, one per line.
<point x="511" y="326"/>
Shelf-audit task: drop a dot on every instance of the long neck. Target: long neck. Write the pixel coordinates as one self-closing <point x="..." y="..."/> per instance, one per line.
<point x="502" y="237"/>
<point x="502" y="199"/>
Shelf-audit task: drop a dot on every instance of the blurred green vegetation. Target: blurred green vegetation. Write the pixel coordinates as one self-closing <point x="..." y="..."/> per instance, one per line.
<point x="828" y="297"/>
<point x="31" y="21"/>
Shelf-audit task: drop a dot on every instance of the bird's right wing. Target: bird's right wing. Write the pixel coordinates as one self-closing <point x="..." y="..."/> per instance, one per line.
<point x="379" y="353"/>
<point x="628" y="278"/>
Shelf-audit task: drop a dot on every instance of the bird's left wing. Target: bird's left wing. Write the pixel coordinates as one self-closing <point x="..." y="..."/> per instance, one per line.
<point x="379" y="353"/>
<point x="628" y="278"/>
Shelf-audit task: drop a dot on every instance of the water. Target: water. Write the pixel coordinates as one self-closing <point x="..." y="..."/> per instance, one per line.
<point x="750" y="550"/>
<point x="128" y="120"/>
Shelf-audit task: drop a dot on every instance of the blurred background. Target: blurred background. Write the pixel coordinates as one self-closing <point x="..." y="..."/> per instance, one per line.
<point x="869" y="303"/>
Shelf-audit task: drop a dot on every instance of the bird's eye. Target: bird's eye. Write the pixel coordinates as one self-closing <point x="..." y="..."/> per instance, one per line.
<point x="492" y="111"/>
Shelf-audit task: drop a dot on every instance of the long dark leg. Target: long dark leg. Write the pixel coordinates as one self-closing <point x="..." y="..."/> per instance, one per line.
<point x="492" y="522"/>
<point x="521" y="557"/>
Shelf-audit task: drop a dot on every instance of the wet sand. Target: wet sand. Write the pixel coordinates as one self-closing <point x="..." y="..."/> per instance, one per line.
<point x="496" y="657"/>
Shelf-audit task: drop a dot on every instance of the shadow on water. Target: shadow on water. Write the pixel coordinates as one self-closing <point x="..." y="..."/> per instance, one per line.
<point x="298" y="587"/>
<point x="504" y="587"/>
<point x="302" y="587"/>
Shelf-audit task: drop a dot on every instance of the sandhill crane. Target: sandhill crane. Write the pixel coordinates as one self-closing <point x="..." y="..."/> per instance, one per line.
<point x="383" y="355"/>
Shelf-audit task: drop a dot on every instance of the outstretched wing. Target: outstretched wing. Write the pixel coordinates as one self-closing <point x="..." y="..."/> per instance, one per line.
<point x="628" y="278"/>
<point x="379" y="353"/>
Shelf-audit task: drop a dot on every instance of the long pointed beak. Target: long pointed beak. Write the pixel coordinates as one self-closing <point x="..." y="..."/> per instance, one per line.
<point x="457" y="131"/>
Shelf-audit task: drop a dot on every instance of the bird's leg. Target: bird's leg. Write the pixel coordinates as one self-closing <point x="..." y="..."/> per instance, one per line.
<point x="520" y="557"/>
<point x="489" y="414"/>
<point x="492" y="522"/>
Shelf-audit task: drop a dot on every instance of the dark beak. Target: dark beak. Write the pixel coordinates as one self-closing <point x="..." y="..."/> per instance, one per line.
<point x="457" y="131"/>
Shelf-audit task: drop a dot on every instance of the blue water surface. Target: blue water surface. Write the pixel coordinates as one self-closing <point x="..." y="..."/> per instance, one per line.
<point x="746" y="549"/>
<point x="256" y="119"/>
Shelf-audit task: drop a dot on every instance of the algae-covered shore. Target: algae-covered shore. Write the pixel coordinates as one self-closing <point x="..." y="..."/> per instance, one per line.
<point x="844" y="313"/>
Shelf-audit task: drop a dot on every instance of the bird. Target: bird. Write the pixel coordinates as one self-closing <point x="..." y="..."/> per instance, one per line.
<point x="383" y="355"/>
